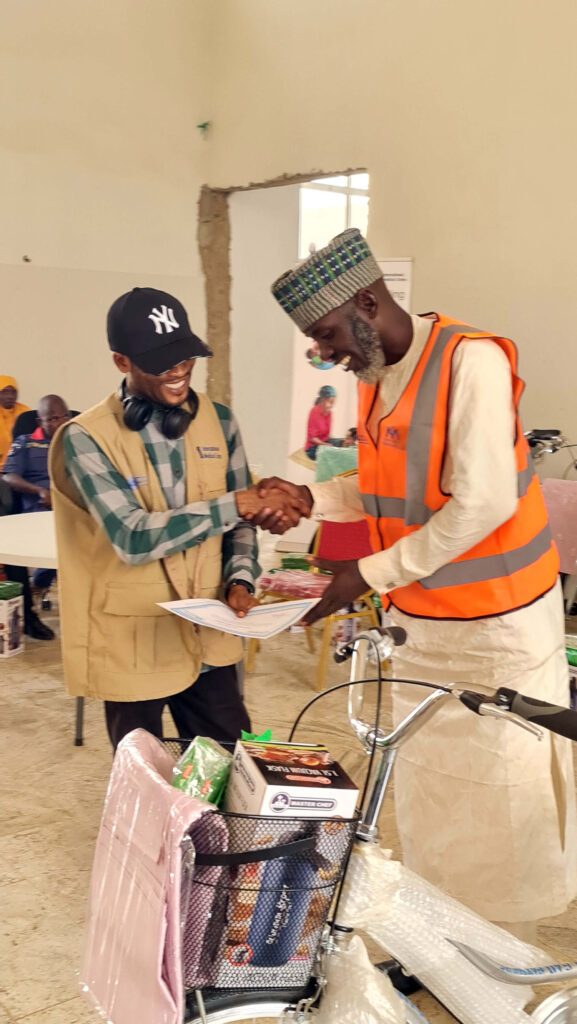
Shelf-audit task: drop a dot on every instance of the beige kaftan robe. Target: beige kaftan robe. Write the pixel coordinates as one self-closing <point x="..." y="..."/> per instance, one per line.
<point x="484" y="810"/>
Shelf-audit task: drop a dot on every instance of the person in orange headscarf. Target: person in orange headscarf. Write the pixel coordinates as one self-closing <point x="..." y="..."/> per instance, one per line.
<point x="10" y="409"/>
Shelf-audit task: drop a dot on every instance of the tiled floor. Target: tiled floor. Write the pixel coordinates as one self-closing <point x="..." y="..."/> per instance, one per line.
<point x="52" y="796"/>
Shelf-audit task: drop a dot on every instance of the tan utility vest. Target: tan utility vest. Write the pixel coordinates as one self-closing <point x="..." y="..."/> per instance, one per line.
<point x="117" y="644"/>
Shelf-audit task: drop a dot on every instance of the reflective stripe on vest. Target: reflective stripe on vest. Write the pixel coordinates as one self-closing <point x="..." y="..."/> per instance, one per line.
<point x="479" y="570"/>
<point x="516" y="562"/>
<point x="415" y="511"/>
<point x="399" y="508"/>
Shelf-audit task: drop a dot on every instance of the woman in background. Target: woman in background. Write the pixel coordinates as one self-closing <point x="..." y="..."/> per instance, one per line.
<point x="10" y="409"/>
<point x="319" y="421"/>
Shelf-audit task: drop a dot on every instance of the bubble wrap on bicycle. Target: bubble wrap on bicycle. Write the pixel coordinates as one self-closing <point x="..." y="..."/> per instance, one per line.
<point x="484" y="810"/>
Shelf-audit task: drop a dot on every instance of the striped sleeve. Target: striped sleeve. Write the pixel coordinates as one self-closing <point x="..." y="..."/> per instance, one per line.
<point x="239" y="545"/>
<point x="136" y="535"/>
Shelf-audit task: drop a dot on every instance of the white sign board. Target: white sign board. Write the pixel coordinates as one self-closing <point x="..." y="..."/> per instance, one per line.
<point x="398" y="274"/>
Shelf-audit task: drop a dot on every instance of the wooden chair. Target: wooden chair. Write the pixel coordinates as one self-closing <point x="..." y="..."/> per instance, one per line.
<point x="336" y="542"/>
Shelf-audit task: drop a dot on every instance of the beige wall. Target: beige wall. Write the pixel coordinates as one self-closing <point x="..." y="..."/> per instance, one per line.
<point x="464" y="116"/>
<point x="100" y="170"/>
<point x="462" y="113"/>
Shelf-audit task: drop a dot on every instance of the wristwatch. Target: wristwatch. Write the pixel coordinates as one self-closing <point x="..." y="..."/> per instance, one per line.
<point x="239" y="583"/>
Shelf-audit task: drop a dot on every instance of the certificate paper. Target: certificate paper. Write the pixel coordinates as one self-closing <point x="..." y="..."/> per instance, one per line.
<point x="259" y="623"/>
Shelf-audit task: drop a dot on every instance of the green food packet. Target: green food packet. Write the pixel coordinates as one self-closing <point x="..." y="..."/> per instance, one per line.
<point x="203" y="770"/>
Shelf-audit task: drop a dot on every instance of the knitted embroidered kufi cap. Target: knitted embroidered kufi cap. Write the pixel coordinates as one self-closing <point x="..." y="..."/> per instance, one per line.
<point x="327" y="279"/>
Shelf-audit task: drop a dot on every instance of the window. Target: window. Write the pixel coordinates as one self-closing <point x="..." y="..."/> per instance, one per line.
<point x="328" y="206"/>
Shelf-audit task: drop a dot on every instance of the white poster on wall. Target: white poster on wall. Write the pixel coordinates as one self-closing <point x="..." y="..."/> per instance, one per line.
<point x="398" y="274"/>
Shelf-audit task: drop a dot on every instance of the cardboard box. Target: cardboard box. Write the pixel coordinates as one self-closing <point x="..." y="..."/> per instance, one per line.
<point x="11" y="625"/>
<point x="290" y="780"/>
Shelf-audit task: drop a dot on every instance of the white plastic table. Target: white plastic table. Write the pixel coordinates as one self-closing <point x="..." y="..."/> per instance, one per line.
<point x="28" y="539"/>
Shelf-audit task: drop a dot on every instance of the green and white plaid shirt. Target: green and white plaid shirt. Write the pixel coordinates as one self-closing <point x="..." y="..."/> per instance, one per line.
<point x="139" y="536"/>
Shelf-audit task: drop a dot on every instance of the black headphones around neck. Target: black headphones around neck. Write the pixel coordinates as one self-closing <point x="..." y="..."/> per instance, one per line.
<point x="174" y="419"/>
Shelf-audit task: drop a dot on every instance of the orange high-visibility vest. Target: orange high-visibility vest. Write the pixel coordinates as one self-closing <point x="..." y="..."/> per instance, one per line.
<point x="400" y="484"/>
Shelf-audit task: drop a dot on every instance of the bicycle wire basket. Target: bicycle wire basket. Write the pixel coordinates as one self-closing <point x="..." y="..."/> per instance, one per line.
<point x="259" y="897"/>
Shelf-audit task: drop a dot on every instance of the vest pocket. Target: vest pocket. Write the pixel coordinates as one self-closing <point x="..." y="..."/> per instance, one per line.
<point x="209" y="577"/>
<point x="141" y="637"/>
<point x="138" y="599"/>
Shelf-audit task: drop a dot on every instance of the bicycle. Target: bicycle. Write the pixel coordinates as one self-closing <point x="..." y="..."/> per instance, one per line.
<point x="469" y="968"/>
<point x="547" y="442"/>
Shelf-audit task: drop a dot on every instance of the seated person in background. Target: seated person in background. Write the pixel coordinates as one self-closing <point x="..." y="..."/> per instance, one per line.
<point x="319" y="421"/>
<point x="10" y="409"/>
<point x="351" y="438"/>
<point x="26" y="467"/>
<point x="315" y="360"/>
<point x="26" y="472"/>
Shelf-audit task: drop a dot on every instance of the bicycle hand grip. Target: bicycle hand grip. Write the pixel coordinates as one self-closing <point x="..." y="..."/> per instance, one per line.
<point x="549" y="716"/>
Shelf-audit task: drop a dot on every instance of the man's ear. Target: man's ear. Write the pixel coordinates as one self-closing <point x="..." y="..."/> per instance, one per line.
<point x="366" y="302"/>
<point x="121" y="362"/>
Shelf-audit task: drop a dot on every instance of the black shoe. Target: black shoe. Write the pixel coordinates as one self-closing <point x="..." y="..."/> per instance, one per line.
<point x="35" y="628"/>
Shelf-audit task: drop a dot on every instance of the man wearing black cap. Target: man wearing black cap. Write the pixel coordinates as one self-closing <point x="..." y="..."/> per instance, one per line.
<point x="152" y="499"/>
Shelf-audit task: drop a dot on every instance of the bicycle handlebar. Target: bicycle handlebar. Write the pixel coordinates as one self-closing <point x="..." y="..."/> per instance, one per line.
<point x="526" y="712"/>
<point x="540" y="712"/>
<point x="541" y="435"/>
<point x="536" y="712"/>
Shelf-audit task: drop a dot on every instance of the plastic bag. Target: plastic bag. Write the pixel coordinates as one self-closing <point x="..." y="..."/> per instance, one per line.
<point x="412" y="921"/>
<point x="203" y="770"/>
<point x="370" y="1000"/>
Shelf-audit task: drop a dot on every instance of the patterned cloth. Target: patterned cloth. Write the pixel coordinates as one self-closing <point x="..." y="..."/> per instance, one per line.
<point x="139" y="536"/>
<point x="327" y="279"/>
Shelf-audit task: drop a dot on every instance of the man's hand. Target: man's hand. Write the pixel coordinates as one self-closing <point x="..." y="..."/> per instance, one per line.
<point x="239" y="599"/>
<point x="347" y="586"/>
<point x="273" y="508"/>
<point x="44" y="495"/>
<point x="298" y="493"/>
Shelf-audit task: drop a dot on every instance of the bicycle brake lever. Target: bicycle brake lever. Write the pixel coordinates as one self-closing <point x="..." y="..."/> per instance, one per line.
<point x="478" y="703"/>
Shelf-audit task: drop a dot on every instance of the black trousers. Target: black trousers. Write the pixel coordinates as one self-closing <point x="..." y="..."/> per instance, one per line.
<point x="212" y="706"/>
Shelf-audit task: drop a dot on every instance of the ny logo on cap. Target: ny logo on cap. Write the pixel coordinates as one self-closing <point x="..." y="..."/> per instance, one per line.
<point x="165" y="317"/>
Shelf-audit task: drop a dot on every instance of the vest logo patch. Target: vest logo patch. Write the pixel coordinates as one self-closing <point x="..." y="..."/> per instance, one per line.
<point x="208" y="451"/>
<point x="395" y="437"/>
<point x="163" y="317"/>
<point x="134" y="482"/>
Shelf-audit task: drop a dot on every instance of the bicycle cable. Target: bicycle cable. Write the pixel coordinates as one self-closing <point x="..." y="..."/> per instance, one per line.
<point x="361" y="682"/>
<point x="333" y="689"/>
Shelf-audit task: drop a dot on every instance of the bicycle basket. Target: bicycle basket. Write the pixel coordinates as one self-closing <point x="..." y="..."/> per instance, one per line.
<point x="260" y="895"/>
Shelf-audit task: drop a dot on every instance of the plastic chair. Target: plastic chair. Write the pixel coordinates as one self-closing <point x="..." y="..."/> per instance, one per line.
<point x="561" y="500"/>
<point x="335" y="541"/>
<point x="27" y="422"/>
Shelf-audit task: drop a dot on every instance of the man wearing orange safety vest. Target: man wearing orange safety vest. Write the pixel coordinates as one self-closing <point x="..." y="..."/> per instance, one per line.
<point x="464" y="558"/>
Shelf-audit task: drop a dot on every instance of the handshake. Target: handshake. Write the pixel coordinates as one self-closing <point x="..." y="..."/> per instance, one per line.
<point x="275" y="505"/>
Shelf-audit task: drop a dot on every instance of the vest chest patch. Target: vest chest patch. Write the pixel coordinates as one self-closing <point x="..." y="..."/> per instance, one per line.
<point x="208" y="451"/>
<point x="134" y="482"/>
<point x="395" y="437"/>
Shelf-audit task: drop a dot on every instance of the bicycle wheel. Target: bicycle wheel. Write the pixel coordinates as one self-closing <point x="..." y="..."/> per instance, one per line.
<point x="239" y="1007"/>
<point x="560" y="1008"/>
<point x="225" y="1006"/>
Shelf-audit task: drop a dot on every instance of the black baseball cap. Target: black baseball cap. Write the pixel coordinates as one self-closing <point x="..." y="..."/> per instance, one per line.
<point x="151" y="328"/>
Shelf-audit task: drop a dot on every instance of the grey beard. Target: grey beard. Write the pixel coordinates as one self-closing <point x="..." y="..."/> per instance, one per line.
<point x="369" y="344"/>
